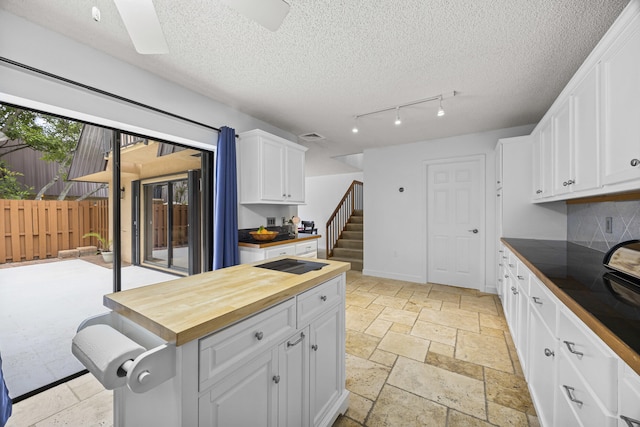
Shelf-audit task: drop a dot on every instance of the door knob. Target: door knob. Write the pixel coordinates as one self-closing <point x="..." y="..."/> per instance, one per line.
<point x="474" y="231"/>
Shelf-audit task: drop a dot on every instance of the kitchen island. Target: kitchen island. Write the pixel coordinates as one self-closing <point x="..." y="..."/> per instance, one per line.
<point x="253" y="347"/>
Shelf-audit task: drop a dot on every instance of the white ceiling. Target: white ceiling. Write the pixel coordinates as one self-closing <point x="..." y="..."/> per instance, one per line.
<point x="332" y="60"/>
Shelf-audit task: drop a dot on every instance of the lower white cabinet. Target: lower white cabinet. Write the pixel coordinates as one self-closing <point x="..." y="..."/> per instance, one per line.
<point x="574" y="378"/>
<point x="298" y="381"/>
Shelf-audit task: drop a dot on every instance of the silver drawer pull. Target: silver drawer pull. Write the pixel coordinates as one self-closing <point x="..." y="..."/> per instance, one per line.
<point x="259" y="335"/>
<point x="506" y="276"/>
<point x="291" y="344"/>
<point x="505" y="257"/>
<point x="520" y="277"/>
<point x="511" y="265"/>
<point x="314" y="347"/>
<point x="549" y="353"/>
<point x="630" y="421"/>
<point x="276" y="379"/>
<point x="538" y="191"/>
<point x="514" y="290"/>
<point x="537" y="300"/>
<point x="572" y="350"/>
<point x="635" y="162"/>
<point x="323" y="297"/>
<point x="571" y="397"/>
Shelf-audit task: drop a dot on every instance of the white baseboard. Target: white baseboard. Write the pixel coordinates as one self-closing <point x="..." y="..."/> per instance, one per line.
<point x="395" y="276"/>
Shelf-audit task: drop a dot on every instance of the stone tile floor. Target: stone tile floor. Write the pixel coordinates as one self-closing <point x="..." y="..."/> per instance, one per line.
<point x="417" y="355"/>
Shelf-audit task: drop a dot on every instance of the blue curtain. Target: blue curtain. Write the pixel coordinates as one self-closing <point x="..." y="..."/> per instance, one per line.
<point x="5" y="400"/>
<point x="225" y="217"/>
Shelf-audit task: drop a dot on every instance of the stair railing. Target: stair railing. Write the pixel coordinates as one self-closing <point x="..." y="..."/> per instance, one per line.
<point x="352" y="200"/>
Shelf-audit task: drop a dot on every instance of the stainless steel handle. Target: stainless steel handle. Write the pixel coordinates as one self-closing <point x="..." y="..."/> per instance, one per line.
<point x="520" y="277"/>
<point x="571" y="181"/>
<point x="506" y="276"/>
<point x="288" y="195"/>
<point x="314" y="347"/>
<point x="505" y="257"/>
<point x="291" y="344"/>
<point x="549" y="353"/>
<point x="259" y="335"/>
<point x="514" y="290"/>
<point x="572" y="350"/>
<point x="538" y="191"/>
<point x="635" y="162"/>
<point x="323" y="297"/>
<point x="276" y="379"/>
<point x="512" y="265"/>
<point x="474" y="231"/>
<point x="564" y="184"/>
<point x="571" y="396"/>
<point x="537" y="300"/>
<point x="631" y="422"/>
<point x="284" y="195"/>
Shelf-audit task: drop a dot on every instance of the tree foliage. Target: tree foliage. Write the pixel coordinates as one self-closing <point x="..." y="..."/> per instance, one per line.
<point x="55" y="137"/>
<point x="10" y="188"/>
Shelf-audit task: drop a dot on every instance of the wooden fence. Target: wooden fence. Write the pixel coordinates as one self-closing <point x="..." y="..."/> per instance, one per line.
<point x="31" y="229"/>
<point x="160" y="221"/>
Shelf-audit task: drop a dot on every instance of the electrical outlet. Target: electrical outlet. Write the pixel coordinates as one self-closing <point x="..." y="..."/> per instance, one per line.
<point x="608" y="225"/>
<point x="271" y="221"/>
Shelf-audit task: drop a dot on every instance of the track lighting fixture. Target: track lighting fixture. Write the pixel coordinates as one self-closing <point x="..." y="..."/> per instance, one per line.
<point x="398" y="120"/>
<point x="440" y="110"/>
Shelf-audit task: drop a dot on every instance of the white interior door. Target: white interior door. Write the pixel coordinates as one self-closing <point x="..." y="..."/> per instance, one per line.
<point x="455" y="223"/>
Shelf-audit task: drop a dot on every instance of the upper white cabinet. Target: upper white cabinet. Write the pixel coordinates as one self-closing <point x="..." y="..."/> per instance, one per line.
<point x="621" y="96"/>
<point x="271" y="169"/>
<point x="593" y="125"/>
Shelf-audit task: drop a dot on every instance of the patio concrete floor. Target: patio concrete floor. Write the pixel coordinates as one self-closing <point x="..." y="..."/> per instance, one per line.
<point x="41" y="306"/>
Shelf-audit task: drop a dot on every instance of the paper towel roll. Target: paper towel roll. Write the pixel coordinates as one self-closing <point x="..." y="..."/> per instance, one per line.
<point x="103" y="350"/>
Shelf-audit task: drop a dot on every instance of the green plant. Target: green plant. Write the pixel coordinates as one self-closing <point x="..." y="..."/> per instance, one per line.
<point x="105" y="245"/>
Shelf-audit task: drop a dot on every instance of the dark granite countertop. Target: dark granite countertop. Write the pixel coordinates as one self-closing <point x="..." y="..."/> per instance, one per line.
<point x="577" y="272"/>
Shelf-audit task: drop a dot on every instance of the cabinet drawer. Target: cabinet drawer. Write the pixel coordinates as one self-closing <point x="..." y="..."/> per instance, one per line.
<point x="575" y="403"/>
<point x="280" y="250"/>
<point x="222" y="350"/>
<point x="591" y="358"/>
<point x="544" y="302"/>
<point x="522" y="275"/>
<point x="629" y="398"/>
<point x="316" y="300"/>
<point x="306" y="248"/>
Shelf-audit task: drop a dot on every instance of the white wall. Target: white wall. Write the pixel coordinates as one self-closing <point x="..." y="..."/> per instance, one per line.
<point x="322" y="196"/>
<point x="395" y="223"/>
<point x="35" y="46"/>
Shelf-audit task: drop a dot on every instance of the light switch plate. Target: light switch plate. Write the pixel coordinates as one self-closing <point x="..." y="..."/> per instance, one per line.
<point x="271" y="221"/>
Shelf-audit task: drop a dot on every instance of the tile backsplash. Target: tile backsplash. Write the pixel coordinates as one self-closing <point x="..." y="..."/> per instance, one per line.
<point x="586" y="223"/>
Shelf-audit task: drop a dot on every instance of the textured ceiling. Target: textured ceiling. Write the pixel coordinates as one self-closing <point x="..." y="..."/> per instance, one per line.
<point x="333" y="59"/>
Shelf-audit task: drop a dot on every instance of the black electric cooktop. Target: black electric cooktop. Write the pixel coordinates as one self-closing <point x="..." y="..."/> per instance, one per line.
<point x="292" y="266"/>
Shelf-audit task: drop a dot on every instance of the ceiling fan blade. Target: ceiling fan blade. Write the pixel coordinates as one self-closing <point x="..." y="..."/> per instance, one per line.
<point x="141" y="21"/>
<point x="268" y="13"/>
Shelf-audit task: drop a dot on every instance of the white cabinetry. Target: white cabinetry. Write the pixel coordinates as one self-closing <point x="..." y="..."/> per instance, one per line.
<point x="629" y="396"/>
<point x="562" y="148"/>
<point x="542" y="160"/>
<point x="252" y="374"/>
<point x="585" y="138"/>
<point x="621" y="100"/>
<point x="271" y="169"/>
<point x="306" y="249"/>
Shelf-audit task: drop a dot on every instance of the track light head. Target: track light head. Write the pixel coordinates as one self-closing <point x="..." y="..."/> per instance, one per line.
<point x="398" y="121"/>
<point x="440" y="109"/>
<point x="355" y="129"/>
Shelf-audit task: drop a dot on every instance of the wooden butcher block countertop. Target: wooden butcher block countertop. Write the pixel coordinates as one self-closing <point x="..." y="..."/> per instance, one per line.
<point x="191" y="307"/>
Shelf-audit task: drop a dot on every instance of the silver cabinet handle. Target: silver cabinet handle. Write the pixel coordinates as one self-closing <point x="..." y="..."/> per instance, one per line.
<point x="288" y="195"/>
<point x="572" y="350"/>
<point x="323" y="297"/>
<point x="504" y="257"/>
<point x="571" y="182"/>
<point x="259" y="335"/>
<point x="276" y="379"/>
<point x="514" y="290"/>
<point x="474" y="231"/>
<point x="506" y="276"/>
<point x="564" y="184"/>
<point x="520" y="277"/>
<point x="630" y="421"/>
<point x="511" y="265"/>
<point x="314" y="347"/>
<point x="537" y="300"/>
<point x="538" y="191"/>
<point x="549" y="353"/>
<point x="635" y="162"/>
<point x="570" y="395"/>
<point x="291" y="344"/>
<point x="284" y="195"/>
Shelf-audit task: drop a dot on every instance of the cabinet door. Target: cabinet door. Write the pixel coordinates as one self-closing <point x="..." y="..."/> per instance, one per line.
<point x="542" y="353"/>
<point x="293" y="389"/>
<point x="585" y="149"/>
<point x="522" y="324"/>
<point x="246" y="397"/>
<point x="537" y="165"/>
<point x="273" y="171"/>
<point x="295" y="175"/>
<point x="327" y="362"/>
<point x="562" y="148"/>
<point x="629" y="410"/>
<point x="546" y="160"/>
<point x="621" y="101"/>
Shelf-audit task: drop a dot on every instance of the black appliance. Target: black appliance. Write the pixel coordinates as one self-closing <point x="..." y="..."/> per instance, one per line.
<point x="624" y="279"/>
<point x="292" y="266"/>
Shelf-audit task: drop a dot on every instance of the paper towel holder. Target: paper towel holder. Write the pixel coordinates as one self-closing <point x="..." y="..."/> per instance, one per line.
<point x="149" y="369"/>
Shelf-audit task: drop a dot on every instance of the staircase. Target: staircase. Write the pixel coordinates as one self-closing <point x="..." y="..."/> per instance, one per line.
<point x="349" y="247"/>
<point x="345" y="228"/>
